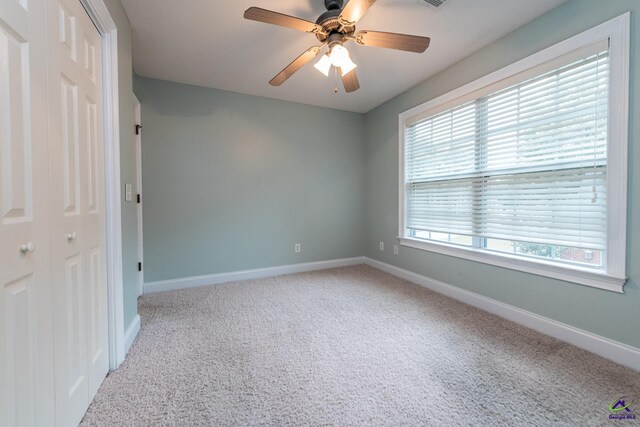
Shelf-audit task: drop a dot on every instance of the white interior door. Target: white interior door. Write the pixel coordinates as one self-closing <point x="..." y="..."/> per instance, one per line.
<point x="26" y="349"/>
<point x="77" y="204"/>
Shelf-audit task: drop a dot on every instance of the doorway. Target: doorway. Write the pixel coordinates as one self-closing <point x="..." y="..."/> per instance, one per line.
<point x="139" y="201"/>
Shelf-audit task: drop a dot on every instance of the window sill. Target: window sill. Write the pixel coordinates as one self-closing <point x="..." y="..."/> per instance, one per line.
<point x="574" y="274"/>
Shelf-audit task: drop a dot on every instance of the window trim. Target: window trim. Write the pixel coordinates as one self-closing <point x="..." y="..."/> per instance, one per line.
<point x="616" y="31"/>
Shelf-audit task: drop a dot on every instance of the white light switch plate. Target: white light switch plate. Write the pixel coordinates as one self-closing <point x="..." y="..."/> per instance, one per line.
<point x="127" y="193"/>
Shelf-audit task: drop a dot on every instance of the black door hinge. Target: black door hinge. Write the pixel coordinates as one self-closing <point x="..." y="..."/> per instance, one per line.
<point x="138" y="127"/>
<point x="139" y="266"/>
<point x="138" y="198"/>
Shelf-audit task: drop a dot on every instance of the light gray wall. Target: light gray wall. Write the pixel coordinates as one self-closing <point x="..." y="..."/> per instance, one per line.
<point x="127" y="161"/>
<point x="602" y="312"/>
<point x="231" y="182"/>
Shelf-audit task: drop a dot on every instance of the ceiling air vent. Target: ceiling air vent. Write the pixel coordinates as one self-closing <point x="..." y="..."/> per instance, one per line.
<point x="434" y="3"/>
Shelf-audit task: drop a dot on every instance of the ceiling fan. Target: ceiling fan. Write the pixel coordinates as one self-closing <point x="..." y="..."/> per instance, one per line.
<point x="333" y="28"/>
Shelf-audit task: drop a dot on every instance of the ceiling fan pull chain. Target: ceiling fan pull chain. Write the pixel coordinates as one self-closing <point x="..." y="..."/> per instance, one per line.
<point x="335" y="80"/>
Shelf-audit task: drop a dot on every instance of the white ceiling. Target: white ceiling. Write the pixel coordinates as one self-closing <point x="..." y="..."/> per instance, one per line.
<point x="208" y="43"/>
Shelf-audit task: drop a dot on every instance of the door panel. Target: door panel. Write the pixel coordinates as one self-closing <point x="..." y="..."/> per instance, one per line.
<point x="96" y="305"/>
<point x="16" y="162"/>
<point x="26" y="347"/>
<point x="67" y="31"/>
<point x="76" y="357"/>
<point x="93" y="155"/>
<point x="19" y="340"/>
<point x="77" y="198"/>
<point x="70" y="146"/>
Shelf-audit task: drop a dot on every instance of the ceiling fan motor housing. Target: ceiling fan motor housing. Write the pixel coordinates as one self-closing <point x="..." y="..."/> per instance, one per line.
<point x="331" y="23"/>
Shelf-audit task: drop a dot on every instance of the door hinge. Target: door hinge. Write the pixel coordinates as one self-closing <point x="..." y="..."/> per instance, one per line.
<point x="138" y="128"/>
<point x="138" y="198"/>
<point x="139" y="266"/>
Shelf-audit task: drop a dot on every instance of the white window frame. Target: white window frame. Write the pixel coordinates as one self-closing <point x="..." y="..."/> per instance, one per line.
<point x="617" y="32"/>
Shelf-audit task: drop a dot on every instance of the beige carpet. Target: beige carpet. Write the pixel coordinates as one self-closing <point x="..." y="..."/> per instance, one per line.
<point x="349" y="346"/>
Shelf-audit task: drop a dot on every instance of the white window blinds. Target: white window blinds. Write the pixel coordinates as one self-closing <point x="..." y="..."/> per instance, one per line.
<point x="525" y="163"/>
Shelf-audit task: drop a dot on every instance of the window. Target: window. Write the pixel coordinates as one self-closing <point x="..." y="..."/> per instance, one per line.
<point x="526" y="168"/>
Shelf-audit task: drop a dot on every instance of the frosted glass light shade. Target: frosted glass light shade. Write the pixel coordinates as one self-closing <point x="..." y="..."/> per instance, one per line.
<point x="340" y="58"/>
<point x="338" y="55"/>
<point x="323" y="65"/>
<point x="347" y="65"/>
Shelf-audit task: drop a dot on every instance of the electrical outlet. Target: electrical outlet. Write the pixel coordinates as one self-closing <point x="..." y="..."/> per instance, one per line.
<point x="395" y="249"/>
<point x="297" y="248"/>
<point x="381" y="246"/>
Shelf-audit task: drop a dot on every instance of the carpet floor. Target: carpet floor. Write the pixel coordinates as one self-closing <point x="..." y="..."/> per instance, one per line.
<point x="348" y="346"/>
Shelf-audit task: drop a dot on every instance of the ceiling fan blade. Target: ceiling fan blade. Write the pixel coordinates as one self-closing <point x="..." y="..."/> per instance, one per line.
<point x="350" y="81"/>
<point x="297" y="63"/>
<point x="275" y="18"/>
<point x="406" y="42"/>
<point x="354" y="10"/>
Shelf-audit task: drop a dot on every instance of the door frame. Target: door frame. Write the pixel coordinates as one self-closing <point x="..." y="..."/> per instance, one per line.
<point x="99" y="14"/>
<point x="138" y="143"/>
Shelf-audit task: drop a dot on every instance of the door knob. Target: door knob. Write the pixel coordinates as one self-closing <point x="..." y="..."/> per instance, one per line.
<point x="28" y="247"/>
<point x="71" y="236"/>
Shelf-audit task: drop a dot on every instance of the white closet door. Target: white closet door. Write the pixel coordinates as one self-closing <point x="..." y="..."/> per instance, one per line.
<point x="94" y="226"/>
<point x="26" y="348"/>
<point x="77" y="204"/>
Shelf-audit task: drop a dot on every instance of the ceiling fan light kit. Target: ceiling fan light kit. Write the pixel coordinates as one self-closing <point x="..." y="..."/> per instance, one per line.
<point x="335" y="27"/>
<point x="338" y="56"/>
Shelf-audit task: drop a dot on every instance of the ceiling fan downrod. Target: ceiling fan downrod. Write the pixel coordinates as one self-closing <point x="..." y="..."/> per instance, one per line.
<point x="333" y="4"/>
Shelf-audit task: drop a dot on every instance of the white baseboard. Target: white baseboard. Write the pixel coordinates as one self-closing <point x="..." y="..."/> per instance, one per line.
<point x="215" y="279"/>
<point x="613" y="350"/>
<point x="131" y="333"/>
